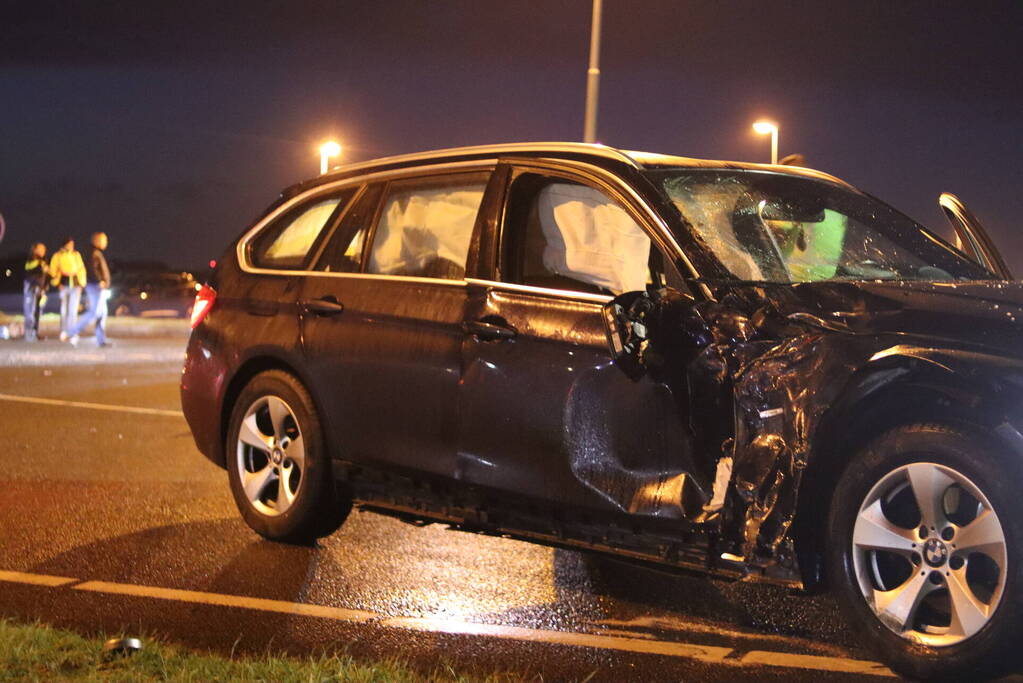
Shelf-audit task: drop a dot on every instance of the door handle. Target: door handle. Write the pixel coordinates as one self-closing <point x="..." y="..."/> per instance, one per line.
<point x="327" y="305"/>
<point x="489" y="331"/>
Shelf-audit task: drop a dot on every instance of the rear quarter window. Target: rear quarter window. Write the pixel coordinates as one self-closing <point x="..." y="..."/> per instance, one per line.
<point x="289" y="239"/>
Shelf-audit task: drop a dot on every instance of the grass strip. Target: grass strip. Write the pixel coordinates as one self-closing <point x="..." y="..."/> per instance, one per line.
<point x="41" y="653"/>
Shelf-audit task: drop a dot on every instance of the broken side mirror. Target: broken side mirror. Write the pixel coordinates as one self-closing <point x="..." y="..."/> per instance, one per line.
<point x="625" y="326"/>
<point x="636" y="321"/>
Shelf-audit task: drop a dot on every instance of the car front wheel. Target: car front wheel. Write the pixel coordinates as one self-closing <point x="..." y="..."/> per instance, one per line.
<point x="924" y="551"/>
<point x="278" y="464"/>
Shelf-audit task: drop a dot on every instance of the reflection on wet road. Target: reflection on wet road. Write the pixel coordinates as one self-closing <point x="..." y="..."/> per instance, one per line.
<point x="124" y="498"/>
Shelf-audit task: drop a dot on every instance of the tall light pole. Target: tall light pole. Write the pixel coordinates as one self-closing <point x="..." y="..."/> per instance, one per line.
<point x="765" y="127"/>
<point x="593" y="77"/>
<point x="327" y="150"/>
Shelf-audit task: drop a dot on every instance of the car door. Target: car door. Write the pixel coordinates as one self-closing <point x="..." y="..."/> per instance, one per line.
<point x="544" y="414"/>
<point x="382" y="320"/>
<point x="275" y="259"/>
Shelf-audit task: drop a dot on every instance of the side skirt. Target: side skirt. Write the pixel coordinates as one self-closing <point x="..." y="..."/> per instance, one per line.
<point x="687" y="549"/>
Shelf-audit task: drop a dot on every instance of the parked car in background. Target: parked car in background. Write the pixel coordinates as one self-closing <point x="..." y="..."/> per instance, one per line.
<point x="153" y="294"/>
<point x="757" y="372"/>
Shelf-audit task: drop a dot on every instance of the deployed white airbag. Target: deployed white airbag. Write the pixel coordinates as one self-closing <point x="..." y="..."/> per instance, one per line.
<point x="592" y="239"/>
<point x="421" y="225"/>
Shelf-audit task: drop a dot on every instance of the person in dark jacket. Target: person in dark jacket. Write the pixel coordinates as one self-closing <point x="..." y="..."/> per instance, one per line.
<point x="97" y="288"/>
<point x="36" y="274"/>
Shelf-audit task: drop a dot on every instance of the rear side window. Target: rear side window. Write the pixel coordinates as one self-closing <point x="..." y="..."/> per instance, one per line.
<point x="425" y="226"/>
<point x="286" y="243"/>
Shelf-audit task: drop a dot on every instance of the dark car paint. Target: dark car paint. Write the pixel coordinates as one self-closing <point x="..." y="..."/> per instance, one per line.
<point x="583" y="433"/>
<point x="779" y="383"/>
<point x="396" y="350"/>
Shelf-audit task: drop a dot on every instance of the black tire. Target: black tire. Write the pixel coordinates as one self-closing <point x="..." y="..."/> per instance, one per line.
<point x="319" y="507"/>
<point x="997" y="475"/>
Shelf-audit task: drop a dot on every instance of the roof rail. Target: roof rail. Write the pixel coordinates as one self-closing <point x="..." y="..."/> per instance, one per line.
<point x="508" y="148"/>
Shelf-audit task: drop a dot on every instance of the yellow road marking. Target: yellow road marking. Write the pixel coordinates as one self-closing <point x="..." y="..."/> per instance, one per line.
<point x="35" y="579"/>
<point x="705" y="653"/>
<point x="282" y="606"/>
<point x="794" y="661"/>
<point x="93" y="406"/>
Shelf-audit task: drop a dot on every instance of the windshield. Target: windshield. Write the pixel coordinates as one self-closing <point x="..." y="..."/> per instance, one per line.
<point x="780" y="228"/>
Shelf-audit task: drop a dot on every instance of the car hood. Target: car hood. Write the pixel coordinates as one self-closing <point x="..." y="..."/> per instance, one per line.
<point x="986" y="314"/>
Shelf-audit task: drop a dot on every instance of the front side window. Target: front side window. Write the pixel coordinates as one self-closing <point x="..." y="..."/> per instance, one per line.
<point x="286" y="243"/>
<point x="560" y="234"/>
<point x="425" y="226"/>
<point x="780" y="228"/>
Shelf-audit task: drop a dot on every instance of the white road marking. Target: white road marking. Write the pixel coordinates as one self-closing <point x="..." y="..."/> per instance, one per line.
<point x="93" y="406"/>
<point x="35" y="579"/>
<point x="705" y="653"/>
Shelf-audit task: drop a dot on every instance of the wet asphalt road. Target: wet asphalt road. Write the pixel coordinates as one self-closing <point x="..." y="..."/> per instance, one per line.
<point x="107" y="495"/>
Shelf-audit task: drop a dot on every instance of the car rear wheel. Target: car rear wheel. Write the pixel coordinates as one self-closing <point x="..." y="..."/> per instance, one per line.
<point x="278" y="465"/>
<point x="924" y="553"/>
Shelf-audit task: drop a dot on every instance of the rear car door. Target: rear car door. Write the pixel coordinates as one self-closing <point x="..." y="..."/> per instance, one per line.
<point x="382" y="320"/>
<point x="275" y="259"/>
<point x="543" y="411"/>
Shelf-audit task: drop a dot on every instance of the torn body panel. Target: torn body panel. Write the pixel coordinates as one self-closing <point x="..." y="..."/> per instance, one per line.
<point x="768" y="380"/>
<point x="633" y="451"/>
<point x="779" y="399"/>
<point x="763" y="367"/>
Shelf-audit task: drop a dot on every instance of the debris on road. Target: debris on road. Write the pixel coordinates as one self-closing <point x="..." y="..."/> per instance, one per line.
<point x="120" y="647"/>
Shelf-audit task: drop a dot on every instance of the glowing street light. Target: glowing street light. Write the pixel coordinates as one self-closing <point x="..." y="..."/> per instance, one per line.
<point x="328" y="150"/>
<point x="765" y="127"/>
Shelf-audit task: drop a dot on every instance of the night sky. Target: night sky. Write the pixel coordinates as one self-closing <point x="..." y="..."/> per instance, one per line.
<point x="171" y="125"/>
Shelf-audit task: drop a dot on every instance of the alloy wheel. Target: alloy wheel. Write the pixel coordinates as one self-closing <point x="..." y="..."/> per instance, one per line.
<point x="270" y="455"/>
<point x="929" y="554"/>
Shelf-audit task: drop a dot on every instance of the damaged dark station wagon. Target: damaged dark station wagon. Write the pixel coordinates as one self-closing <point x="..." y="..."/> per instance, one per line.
<point x="753" y="371"/>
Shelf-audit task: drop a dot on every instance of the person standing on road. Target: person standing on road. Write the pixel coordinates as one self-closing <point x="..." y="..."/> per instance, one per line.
<point x="67" y="274"/>
<point x="36" y="271"/>
<point x="97" y="289"/>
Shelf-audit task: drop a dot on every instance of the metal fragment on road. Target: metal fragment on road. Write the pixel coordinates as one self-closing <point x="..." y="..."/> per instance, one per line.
<point x="120" y="647"/>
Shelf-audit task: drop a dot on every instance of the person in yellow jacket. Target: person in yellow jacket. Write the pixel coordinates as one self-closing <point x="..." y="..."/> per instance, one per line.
<point x="67" y="274"/>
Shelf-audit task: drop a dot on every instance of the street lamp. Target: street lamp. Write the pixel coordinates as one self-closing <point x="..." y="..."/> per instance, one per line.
<point x="593" y="77"/>
<point x="328" y="150"/>
<point x="765" y="127"/>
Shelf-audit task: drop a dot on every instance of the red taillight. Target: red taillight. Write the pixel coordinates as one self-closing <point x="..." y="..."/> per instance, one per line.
<point x="203" y="303"/>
